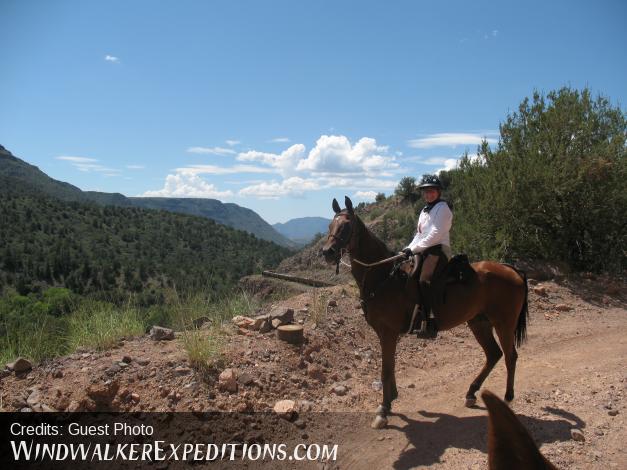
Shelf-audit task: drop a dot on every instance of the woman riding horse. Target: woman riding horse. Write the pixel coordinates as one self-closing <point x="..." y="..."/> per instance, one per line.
<point x="494" y="296"/>
<point x="432" y="243"/>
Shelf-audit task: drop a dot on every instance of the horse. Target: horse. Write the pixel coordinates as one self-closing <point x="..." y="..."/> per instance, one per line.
<point x="495" y="296"/>
<point x="510" y="446"/>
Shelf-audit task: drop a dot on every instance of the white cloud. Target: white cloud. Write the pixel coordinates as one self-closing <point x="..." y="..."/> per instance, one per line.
<point x="365" y="195"/>
<point x="220" y="170"/>
<point x="293" y="186"/>
<point x="450" y="139"/>
<point x="76" y="159"/>
<point x="87" y="165"/>
<point x="135" y="167"/>
<point x="280" y="140"/>
<point x="495" y="32"/>
<point x="187" y="185"/>
<point x="112" y="58"/>
<point x="232" y="143"/>
<point x="334" y="154"/>
<point x="285" y="162"/>
<point x="211" y="150"/>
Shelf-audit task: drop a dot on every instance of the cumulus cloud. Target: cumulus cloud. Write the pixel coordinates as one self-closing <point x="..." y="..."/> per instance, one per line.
<point x="293" y="186"/>
<point x="285" y="162"/>
<point x="112" y="58"/>
<point x="365" y="195"/>
<point x="334" y="154"/>
<point x="450" y="139"/>
<point x="187" y="185"/>
<point x="220" y="170"/>
<point x="212" y="150"/>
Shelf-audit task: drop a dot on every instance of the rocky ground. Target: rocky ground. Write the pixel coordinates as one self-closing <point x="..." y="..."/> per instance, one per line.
<point x="570" y="384"/>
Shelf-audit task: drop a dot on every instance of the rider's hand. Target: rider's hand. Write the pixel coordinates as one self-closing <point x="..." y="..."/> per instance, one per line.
<point x="407" y="252"/>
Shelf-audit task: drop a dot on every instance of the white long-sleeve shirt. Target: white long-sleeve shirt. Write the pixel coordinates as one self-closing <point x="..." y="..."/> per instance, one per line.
<point x="433" y="228"/>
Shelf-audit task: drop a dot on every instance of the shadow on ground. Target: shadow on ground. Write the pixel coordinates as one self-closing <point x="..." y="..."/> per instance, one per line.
<point x="428" y="439"/>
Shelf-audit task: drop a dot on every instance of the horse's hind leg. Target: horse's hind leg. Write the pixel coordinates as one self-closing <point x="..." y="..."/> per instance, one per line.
<point x="482" y="329"/>
<point x="506" y="338"/>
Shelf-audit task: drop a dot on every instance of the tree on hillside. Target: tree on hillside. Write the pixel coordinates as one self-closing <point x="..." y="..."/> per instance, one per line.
<point x="407" y="190"/>
<point x="554" y="186"/>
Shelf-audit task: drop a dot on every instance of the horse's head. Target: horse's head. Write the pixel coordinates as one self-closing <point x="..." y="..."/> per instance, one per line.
<point x="340" y="231"/>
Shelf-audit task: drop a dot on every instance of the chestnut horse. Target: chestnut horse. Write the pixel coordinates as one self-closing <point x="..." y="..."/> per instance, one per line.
<point x="495" y="296"/>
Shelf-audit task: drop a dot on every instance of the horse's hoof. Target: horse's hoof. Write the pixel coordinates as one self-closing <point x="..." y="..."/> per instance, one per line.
<point x="470" y="402"/>
<point x="382" y="410"/>
<point x="379" y="422"/>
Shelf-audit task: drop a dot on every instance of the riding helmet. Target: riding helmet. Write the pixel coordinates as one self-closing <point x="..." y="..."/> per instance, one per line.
<point x="430" y="181"/>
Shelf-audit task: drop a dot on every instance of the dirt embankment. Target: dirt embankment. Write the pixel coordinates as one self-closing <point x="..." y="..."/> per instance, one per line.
<point x="570" y="375"/>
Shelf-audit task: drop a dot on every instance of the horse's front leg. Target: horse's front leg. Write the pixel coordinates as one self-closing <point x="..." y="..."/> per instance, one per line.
<point x="388" y="342"/>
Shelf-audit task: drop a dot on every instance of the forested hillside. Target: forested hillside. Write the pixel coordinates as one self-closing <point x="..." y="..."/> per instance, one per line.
<point x="20" y="177"/>
<point x="110" y="251"/>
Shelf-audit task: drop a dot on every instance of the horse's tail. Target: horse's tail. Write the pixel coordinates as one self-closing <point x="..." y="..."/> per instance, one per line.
<point x="521" y="326"/>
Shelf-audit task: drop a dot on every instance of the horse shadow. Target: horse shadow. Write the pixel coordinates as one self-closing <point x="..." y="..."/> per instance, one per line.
<point x="428" y="440"/>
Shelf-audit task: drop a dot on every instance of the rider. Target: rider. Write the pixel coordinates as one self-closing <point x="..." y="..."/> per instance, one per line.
<point x="432" y="244"/>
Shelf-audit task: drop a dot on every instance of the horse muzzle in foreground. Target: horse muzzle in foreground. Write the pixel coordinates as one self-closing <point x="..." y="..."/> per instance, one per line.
<point x="492" y="298"/>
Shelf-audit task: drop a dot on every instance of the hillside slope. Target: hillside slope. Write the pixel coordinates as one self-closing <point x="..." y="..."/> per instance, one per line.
<point x="23" y="178"/>
<point x="303" y="229"/>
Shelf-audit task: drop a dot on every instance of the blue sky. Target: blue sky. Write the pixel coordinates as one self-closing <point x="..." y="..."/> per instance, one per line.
<point x="282" y="105"/>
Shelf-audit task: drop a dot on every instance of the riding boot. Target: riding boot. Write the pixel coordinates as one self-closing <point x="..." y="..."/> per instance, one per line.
<point x="428" y="328"/>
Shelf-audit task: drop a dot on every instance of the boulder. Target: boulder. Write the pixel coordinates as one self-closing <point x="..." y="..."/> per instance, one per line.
<point x="285" y="408"/>
<point x="260" y="321"/>
<point x="103" y="393"/>
<point x="285" y="315"/>
<point x="20" y="365"/>
<point x="243" y="322"/>
<point x="159" y="333"/>
<point x="227" y="381"/>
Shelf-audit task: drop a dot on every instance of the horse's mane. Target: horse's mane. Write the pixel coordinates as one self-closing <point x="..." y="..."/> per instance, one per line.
<point x="380" y="244"/>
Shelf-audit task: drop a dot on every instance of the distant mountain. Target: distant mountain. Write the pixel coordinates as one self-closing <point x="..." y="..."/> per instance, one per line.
<point x="224" y="213"/>
<point x="24" y="178"/>
<point x="303" y="229"/>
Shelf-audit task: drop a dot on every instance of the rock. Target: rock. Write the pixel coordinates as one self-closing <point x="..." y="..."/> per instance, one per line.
<point x="127" y="359"/>
<point x="377" y="385"/>
<point x="411" y="385"/>
<point x="103" y="393"/>
<point x="563" y="308"/>
<point x="285" y="315"/>
<point x="266" y="326"/>
<point x="259" y="321"/>
<point x="243" y="322"/>
<point x="57" y="374"/>
<point x="143" y="362"/>
<point x="300" y="424"/>
<point x="159" y="333"/>
<point x="315" y="372"/>
<point x="245" y="378"/>
<point x="34" y="399"/>
<point x="135" y="397"/>
<point x="339" y="390"/>
<point x="180" y="370"/>
<point x="114" y="369"/>
<point x="198" y="322"/>
<point x="20" y="365"/>
<point x="285" y="408"/>
<point x="304" y="406"/>
<point x="332" y="303"/>
<point x="276" y="323"/>
<point x="227" y="381"/>
<point x="540" y="290"/>
<point x="612" y="412"/>
<point x="577" y="435"/>
<point x="292" y="334"/>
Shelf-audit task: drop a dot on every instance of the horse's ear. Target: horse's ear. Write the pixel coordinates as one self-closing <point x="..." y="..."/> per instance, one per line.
<point x="349" y="204"/>
<point x="336" y="206"/>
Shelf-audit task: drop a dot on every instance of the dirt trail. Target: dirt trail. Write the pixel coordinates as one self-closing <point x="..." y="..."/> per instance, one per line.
<point x="571" y="374"/>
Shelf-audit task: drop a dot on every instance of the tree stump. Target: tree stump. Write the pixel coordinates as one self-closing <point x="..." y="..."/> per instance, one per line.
<point x="292" y="334"/>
